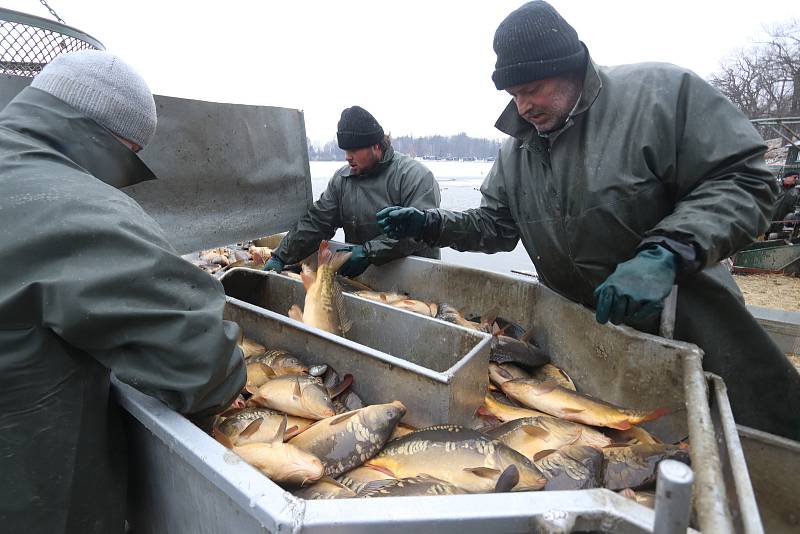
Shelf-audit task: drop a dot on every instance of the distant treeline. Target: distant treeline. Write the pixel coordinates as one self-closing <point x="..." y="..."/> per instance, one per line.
<point x="459" y="146"/>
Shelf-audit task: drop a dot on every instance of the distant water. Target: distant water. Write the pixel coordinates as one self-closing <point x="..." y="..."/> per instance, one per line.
<point x="459" y="182"/>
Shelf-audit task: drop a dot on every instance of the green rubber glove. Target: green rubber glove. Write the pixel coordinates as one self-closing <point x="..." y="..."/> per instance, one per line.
<point x="399" y="222"/>
<point x="274" y="264"/>
<point x="636" y="289"/>
<point x="357" y="263"/>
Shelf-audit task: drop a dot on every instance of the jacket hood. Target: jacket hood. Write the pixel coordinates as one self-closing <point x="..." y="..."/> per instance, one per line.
<point x="49" y="120"/>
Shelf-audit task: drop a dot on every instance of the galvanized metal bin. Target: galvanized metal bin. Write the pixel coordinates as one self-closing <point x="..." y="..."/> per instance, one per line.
<point x="619" y="364"/>
<point x="437" y="370"/>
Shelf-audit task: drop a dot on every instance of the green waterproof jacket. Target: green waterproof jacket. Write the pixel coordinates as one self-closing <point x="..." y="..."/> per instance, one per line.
<point x="89" y="285"/>
<point x="650" y="153"/>
<point x="351" y="201"/>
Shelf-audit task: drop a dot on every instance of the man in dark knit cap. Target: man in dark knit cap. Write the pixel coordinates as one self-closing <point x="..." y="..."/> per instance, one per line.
<point x="94" y="287"/>
<point x="622" y="181"/>
<point x="375" y="176"/>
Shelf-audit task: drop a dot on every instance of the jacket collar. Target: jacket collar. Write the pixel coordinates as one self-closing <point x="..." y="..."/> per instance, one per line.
<point x="388" y="156"/>
<point x="53" y="122"/>
<point x="511" y="123"/>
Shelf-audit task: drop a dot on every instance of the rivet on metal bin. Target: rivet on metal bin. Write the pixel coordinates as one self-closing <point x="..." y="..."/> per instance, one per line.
<point x="673" y="497"/>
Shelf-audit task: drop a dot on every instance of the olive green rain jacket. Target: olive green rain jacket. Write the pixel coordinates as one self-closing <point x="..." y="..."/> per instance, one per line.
<point x="351" y="201"/>
<point x="650" y="153"/>
<point x="89" y="285"/>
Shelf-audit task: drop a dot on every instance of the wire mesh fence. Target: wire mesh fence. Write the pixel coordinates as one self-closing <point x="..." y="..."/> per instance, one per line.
<point x="28" y="43"/>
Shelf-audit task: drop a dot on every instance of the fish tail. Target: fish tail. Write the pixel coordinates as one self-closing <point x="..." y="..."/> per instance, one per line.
<point x="338" y="259"/>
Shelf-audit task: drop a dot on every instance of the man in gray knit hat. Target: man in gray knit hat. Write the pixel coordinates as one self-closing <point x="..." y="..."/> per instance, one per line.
<point x="93" y="287"/>
<point x="375" y="175"/>
<point x="620" y="182"/>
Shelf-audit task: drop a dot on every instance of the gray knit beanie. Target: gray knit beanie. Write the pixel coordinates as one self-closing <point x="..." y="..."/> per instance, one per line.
<point x="105" y="89"/>
<point x="535" y="42"/>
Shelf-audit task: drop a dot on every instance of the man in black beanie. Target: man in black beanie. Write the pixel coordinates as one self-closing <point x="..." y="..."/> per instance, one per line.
<point x="622" y="181"/>
<point x="375" y="176"/>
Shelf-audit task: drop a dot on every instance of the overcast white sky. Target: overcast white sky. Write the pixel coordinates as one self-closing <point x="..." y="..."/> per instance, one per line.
<point x="421" y="67"/>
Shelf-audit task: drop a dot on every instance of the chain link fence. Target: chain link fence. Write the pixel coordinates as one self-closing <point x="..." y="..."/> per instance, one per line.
<point x="28" y="43"/>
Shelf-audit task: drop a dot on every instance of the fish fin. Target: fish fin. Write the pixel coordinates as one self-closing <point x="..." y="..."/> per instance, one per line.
<point x="614" y="444"/>
<point x="434" y="309"/>
<point x="621" y="425"/>
<point x="296" y="392"/>
<point x="230" y="411"/>
<point x="490" y="316"/>
<point x="252" y="428"/>
<point x="381" y="469"/>
<point x="333" y="481"/>
<point x="343" y="417"/>
<point x="535" y="431"/>
<point x="341" y="387"/>
<point x="280" y="434"/>
<point x="339" y="259"/>
<point x="483" y="472"/>
<point x="507" y="479"/>
<point x="266" y="369"/>
<point x="503" y="372"/>
<point x="295" y="313"/>
<point x="374" y="485"/>
<point x="577" y="410"/>
<point x="324" y="253"/>
<point x="291" y="432"/>
<point x="252" y="390"/>
<point x="541" y="454"/>
<point x="544" y="387"/>
<point x="492" y="387"/>
<point x="628" y="493"/>
<point x="222" y="438"/>
<point x="655" y="414"/>
<point x="307" y="279"/>
<point x="527" y="335"/>
<point x="344" y="322"/>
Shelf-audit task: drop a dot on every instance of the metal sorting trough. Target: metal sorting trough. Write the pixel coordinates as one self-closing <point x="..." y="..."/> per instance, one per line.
<point x="437" y="370"/>
<point x="176" y="467"/>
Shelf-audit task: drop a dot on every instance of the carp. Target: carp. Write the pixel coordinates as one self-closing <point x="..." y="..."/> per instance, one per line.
<point x="550" y="373"/>
<point x="324" y="303"/>
<point x="449" y="313"/>
<point x="552" y="399"/>
<point x="422" y="485"/>
<point x="571" y="468"/>
<point x="281" y="462"/>
<point x="461" y="457"/>
<point x="506" y="349"/>
<point x="505" y="412"/>
<point x="384" y="298"/>
<point x="503" y="372"/>
<point x="234" y="427"/>
<point x="258" y="373"/>
<point x="635" y="435"/>
<point x="356" y="479"/>
<point x="281" y="362"/>
<point x="416" y="306"/>
<point x="260" y="255"/>
<point x="325" y="488"/>
<point x="531" y="435"/>
<point x="250" y="348"/>
<point x="348" y="440"/>
<point x="645" y="498"/>
<point x="635" y="466"/>
<point x="299" y="395"/>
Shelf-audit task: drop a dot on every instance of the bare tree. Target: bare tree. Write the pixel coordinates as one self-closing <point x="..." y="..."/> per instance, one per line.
<point x="764" y="81"/>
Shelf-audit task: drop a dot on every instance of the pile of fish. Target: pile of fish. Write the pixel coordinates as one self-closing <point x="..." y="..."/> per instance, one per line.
<point x="219" y="260"/>
<point x="307" y="429"/>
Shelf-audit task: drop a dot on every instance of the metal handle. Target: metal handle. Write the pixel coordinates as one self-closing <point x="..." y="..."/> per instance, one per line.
<point x="667" y="326"/>
<point x="673" y="497"/>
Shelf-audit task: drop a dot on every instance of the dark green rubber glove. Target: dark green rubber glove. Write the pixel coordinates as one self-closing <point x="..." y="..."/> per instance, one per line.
<point x="636" y="289"/>
<point x="357" y="263"/>
<point x="399" y="222"/>
<point x="274" y="264"/>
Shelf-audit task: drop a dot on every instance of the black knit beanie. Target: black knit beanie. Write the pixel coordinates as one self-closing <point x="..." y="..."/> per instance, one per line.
<point x="535" y="42"/>
<point x="358" y="129"/>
